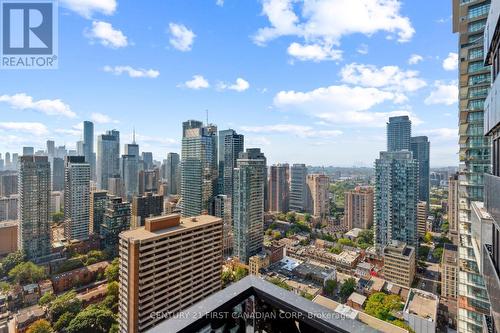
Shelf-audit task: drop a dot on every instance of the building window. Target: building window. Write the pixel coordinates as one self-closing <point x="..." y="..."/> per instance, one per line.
<point x="479" y="79"/>
<point x="475" y="38"/>
<point x="479" y="10"/>
<point x="477" y="104"/>
<point x="476" y="66"/>
<point x="477" y="92"/>
<point x="476" y="26"/>
<point x="476" y="53"/>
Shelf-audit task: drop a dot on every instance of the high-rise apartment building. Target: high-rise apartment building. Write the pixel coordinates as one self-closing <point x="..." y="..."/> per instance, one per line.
<point x="51" y="149"/>
<point x="28" y="151"/>
<point x="422" y="213"/>
<point x="449" y="272"/>
<point x="398" y="133"/>
<point x="8" y="162"/>
<point x="34" y="206"/>
<point x="98" y="203"/>
<point x="469" y="19"/>
<point x="318" y="200"/>
<point x="57" y="174"/>
<point x="491" y="247"/>
<point x="396" y="197"/>
<point x="130" y="175"/>
<point x="108" y="158"/>
<point x="399" y="263"/>
<point x="76" y="198"/>
<point x="248" y="203"/>
<point x="452" y="212"/>
<point x="147" y="158"/>
<point x="420" y="147"/>
<point x="88" y="146"/>
<point x="173" y="174"/>
<point x="223" y="211"/>
<point x="116" y="220"/>
<point x="148" y="205"/>
<point x="279" y="188"/>
<point x="167" y="266"/>
<point x="230" y="146"/>
<point x="9" y="208"/>
<point x="8" y="183"/>
<point x="359" y="208"/>
<point x="198" y="167"/>
<point x="298" y="188"/>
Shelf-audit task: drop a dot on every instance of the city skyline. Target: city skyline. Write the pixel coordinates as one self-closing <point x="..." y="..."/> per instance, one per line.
<point x="302" y="84"/>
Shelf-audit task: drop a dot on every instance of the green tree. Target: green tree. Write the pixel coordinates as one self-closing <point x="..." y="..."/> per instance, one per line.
<point x="63" y="321"/>
<point x="381" y="306"/>
<point x="423" y="252"/>
<point x="11" y="261"/>
<point x="337" y="249"/>
<point x="346" y="241"/>
<point x="92" y="319"/>
<point x="27" y="272"/>
<point x="240" y="273"/>
<point x="347" y="288"/>
<point x="428" y="237"/>
<point x="307" y="217"/>
<point x="365" y="237"/>
<point x="279" y="283"/>
<point x="67" y="302"/>
<point x="111" y="272"/>
<point x="40" y="326"/>
<point x="58" y="217"/>
<point x="437" y="254"/>
<point x="46" y="298"/>
<point x="111" y="300"/>
<point x="330" y="287"/>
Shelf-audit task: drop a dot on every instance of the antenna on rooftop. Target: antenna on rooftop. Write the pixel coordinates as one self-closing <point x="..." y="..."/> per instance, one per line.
<point x="133" y="137"/>
<point x="206" y="110"/>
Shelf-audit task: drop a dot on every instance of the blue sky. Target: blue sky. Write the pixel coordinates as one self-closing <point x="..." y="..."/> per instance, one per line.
<point x="310" y="81"/>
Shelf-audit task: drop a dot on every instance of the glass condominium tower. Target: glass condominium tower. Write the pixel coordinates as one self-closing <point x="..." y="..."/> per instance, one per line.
<point x="198" y="168"/>
<point x="469" y="19"/>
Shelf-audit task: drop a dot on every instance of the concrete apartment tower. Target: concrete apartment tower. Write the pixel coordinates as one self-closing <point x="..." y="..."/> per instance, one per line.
<point x="76" y="198"/>
<point x="298" y="188"/>
<point x="34" y="206"/>
<point x="248" y="203"/>
<point x="359" y="208"/>
<point x="318" y="201"/>
<point x="166" y="266"/>
<point x="173" y="174"/>
<point x="398" y="133"/>
<point x="474" y="78"/>
<point x="198" y="167"/>
<point x="279" y="188"/>
<point x="108" y="158"/>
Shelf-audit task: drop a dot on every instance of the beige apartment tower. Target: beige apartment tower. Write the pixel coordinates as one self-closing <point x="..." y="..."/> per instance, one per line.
<point x="449" y="272"/>
<point x="399" y="263"/>
<point x="318" y="200"/>
<point x="359" y="208"/>
<point x="453" y="207"/>
<point x="166" y="266"/>
<point x="421" y="218"/>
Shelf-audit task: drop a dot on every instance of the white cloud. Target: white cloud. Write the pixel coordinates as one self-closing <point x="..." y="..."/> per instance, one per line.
<point x="153" y="139"/>
<point x="181" y="37"/>
<point x="440" y="134"/>
<point x="87" y="8"/>
<point x="54" y="107"/>
<point x="219" y="3"/>
<point x="443" y="93"/>
<point x="290" y="129"/>
<point x="106" y="35"/>
<point x="415" y="59"/>
<point x="102" y="118"/>
<point x="314" y="52"/>
<point x="325" y="22"/>
<point x="239" y="86"/>
<point x="132" y="72"/>
<point x="342" y="104"/>
<point x="28" y="127"/>
<point x="451" y="62"/>
<point x="198" y="82"/>
<point x="362" y="49"/>
<point x="390" y="78"/>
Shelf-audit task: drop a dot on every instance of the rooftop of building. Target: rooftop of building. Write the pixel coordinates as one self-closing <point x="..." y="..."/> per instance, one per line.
<point x="28" y="314"/>
<point x="353" y="232"/>
<point x="422" y="304"/>
<point x="308" y="268"/>
<point x="9" y="224"/>
<point x="399" y="248"/>
<point x="480" y="210"/>
<point x="357" y="298"/>
<point x="161" y="225"/>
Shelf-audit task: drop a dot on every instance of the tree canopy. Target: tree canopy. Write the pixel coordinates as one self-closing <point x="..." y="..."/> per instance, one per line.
<point x="347" y="288"/>
<point x="40" y="326"/>
<point x="94" y="318"/>
<point x="27" y="272"/>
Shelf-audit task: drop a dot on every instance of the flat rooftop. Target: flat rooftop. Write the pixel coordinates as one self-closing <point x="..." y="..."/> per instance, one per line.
<point x="422" y="304"/>
<point x="142" y="233"/>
